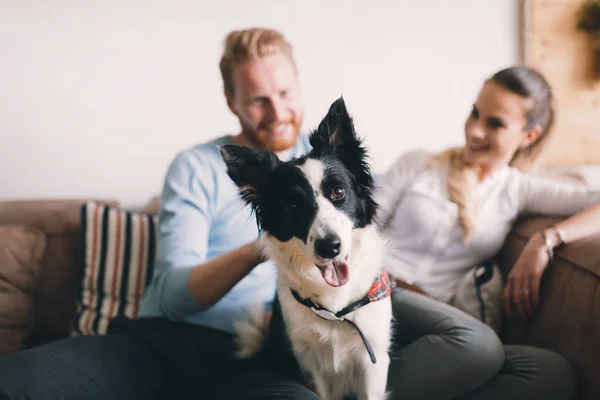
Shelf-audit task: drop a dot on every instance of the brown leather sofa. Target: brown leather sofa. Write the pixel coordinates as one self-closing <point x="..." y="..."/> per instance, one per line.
<point x="40" y="249"/>
<point x="568" y="320"/>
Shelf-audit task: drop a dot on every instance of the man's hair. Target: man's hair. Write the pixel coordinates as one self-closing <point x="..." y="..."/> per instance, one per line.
<point x="247" y="45"/>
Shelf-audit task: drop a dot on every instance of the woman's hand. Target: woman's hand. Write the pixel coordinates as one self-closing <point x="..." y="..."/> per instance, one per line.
<point x="522" y="290"/>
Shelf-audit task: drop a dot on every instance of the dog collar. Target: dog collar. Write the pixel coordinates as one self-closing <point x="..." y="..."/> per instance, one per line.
<point x="379" y="291"/>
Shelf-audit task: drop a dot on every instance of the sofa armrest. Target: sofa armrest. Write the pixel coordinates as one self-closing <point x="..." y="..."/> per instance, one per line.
<point x="568" y="320"/>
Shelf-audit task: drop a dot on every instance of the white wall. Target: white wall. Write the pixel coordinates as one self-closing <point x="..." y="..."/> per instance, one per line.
<point x="97" y="97"/>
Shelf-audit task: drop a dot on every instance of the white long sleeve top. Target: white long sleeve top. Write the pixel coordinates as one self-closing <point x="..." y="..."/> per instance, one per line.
<point x="426" y="244"/>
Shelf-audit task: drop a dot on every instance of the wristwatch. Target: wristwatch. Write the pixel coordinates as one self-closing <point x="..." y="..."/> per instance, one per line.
<point x="553" y="238"/>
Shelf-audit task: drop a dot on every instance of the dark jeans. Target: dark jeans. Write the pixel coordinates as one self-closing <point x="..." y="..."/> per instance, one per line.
<point x="439" y="352"/>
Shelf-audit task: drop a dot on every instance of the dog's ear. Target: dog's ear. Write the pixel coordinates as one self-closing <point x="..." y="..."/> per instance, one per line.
<point x="248" y="169"/>
<point x="336" y="129"/>
<point x="336" y="135"/>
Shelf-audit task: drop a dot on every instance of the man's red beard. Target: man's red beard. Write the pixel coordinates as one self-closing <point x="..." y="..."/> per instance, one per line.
<point x="274" y="143"/>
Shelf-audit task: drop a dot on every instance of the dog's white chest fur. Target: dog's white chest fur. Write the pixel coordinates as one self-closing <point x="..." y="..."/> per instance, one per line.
<point x="334" y="354"/>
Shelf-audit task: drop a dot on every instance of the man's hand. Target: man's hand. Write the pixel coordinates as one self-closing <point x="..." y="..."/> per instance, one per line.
<point x="210" y="281"/>
<point x="257" y="251"/>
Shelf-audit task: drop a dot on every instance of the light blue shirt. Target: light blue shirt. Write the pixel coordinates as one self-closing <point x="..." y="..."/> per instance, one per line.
<point x="201" y="217"/>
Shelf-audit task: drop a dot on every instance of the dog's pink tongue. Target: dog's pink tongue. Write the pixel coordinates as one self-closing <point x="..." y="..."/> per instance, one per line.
<point x="335" y="273"/>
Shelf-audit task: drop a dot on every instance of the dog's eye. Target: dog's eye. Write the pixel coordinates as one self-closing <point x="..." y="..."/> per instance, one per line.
<point x="290" y="208"/>
<point x="337" y="193"/>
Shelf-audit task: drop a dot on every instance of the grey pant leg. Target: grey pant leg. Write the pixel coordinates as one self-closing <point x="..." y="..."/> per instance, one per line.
<point x="439" y="352"/>
<point x="529" y="373"/>
<point x="115" y="367"/>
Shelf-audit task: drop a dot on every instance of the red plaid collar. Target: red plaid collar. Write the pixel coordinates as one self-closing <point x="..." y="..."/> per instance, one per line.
<point x="380" y="290"/>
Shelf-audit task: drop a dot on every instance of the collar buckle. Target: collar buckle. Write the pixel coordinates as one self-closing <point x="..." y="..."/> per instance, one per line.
<point x="326" y="314"/>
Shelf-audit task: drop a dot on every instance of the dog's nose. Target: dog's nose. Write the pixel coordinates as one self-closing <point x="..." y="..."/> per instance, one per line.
<point x="328" y="247"/>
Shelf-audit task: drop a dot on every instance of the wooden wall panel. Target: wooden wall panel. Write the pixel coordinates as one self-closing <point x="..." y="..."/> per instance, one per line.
<point x="565" y="56"/>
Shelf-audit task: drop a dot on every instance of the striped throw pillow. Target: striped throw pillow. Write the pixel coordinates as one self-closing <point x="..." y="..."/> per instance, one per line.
<point x="118" y="260"/>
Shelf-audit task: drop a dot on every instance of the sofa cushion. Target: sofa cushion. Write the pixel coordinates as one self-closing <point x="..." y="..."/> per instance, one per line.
<point x="119" y="253"/>
<point x="54" y="302"/>
<point x="21" y="250"/>
<point x="60" y="274"/>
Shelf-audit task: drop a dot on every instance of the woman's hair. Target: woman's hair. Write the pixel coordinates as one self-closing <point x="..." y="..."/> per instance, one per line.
<point x="462" y="177"/>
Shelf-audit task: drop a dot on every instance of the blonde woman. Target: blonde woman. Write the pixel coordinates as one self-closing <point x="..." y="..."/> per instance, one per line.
<point x="444" y="214"/>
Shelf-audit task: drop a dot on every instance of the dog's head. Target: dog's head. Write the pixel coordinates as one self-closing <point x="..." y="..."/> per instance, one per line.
<point x="309" y="207"/>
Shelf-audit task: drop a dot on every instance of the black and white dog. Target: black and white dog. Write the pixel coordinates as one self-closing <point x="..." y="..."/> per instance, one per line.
<point x="317" y="216"/>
